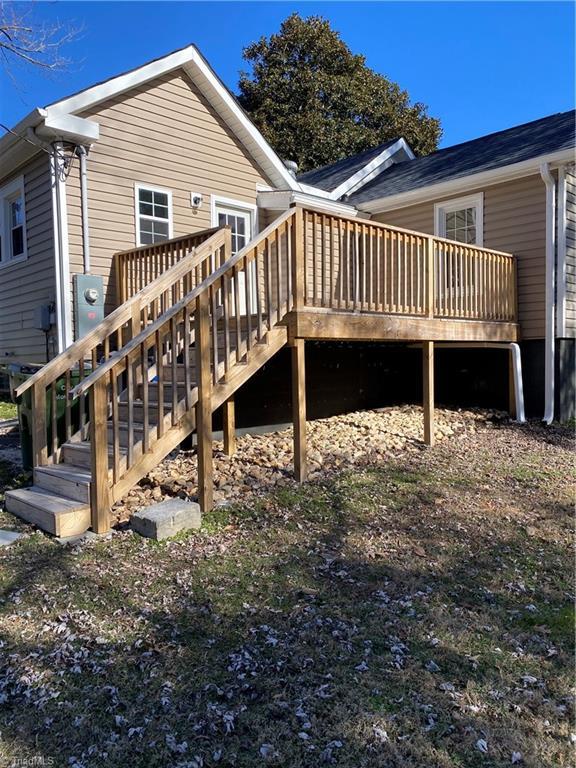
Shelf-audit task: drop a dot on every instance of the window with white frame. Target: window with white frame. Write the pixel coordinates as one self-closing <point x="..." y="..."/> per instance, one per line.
<point x="153" y="215"/>
<point x="12" y="222"/>
<point x="461" y="219"/>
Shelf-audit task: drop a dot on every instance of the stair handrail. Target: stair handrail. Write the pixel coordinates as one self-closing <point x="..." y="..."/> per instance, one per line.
<point x="123" y="314"/>
<point x="85" y="385"/>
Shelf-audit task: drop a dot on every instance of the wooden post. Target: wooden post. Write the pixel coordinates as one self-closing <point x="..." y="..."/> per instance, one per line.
<point x="428" y="390"/>
<point x="229" y="426"/>
<point x="298" y="262"/>
<point x="204" y="405"/>
<point x="430" y="278"/>
<point x="99" y="488"/>
<point x="39" y="434"/>
<point x="299" y="409"/>
<point x="511" y="388"/>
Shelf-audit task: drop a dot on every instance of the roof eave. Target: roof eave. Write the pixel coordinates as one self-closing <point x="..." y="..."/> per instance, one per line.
<point x="471" y="181"/>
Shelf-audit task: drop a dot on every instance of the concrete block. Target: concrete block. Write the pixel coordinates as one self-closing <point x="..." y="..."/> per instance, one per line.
<point x="167" y="518"/>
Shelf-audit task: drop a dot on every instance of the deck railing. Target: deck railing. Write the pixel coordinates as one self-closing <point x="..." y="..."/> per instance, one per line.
<point x="136" y="268"/>
<point x="365" y="266"/>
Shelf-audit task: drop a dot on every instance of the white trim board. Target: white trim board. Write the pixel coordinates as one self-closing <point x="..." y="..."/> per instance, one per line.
<point x="372" y="169"/>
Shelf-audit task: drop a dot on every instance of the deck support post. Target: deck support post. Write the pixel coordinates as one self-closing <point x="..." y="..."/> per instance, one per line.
<point x="229" y="426"/>
<point x="99" y="487"/>
<point x="204" y="405"/>
<point x="299" y="409"/>
<point x="428" y="390"/>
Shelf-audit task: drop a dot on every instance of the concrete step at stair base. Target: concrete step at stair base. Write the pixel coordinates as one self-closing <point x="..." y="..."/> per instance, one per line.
<point x="64" y="479"/>
<point x="55" y="514"/>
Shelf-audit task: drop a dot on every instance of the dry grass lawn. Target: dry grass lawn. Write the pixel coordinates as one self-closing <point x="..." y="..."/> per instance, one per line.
<point x="409" y="614"/>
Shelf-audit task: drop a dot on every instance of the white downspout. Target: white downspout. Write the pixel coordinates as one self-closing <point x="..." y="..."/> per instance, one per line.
<point x="561" y="266"/>
<point x="83" y="155"/>
<point x="549" y="342"/>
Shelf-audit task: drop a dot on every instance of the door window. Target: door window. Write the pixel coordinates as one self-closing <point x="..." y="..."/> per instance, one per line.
<point x="240" y="223"/>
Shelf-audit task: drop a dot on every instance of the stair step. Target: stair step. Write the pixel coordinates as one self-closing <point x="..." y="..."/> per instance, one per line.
<point x="65" y="479"/>
<point x="55" y="514"/>
<point x="153" y="389"/>
<point x="138" y="411"/>
<point x="78" y="454"/>
<point x="137" y="428"/>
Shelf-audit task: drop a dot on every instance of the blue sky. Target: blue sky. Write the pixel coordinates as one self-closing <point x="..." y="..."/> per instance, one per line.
<point x="480" y="67"/>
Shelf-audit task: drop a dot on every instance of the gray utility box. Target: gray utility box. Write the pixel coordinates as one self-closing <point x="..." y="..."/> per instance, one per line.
<point x="88" y="302"/>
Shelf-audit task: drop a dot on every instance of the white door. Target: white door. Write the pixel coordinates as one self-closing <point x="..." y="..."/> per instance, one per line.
<point x="240" y="222"/>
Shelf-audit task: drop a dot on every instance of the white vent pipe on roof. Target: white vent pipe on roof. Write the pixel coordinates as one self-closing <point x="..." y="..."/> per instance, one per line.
<point x="549" y="342"/>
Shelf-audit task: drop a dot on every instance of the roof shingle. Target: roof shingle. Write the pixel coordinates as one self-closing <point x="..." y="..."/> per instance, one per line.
<point x="513" y="145"/>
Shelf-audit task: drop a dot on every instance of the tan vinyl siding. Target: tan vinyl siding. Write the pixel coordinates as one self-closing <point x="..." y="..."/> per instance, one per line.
<point x="514" y="221"/>
<point x="163" y="134"/>
<point x="26" y="285"/>
<point x="570" y="255"/>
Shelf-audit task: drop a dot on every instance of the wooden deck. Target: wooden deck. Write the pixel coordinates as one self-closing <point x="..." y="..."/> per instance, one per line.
<point x="196" y="322"/>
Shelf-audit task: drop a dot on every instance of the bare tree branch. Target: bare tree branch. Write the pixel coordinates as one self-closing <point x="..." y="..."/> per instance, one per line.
<point x="29" y="42"/>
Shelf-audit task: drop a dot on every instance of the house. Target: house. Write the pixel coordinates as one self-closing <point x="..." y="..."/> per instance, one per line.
<point x="157" y="254"/>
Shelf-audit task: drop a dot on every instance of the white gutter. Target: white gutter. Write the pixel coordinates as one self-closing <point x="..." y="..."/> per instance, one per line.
<point x="561" y="255"/>
<point x="549" y="342"/>
<point x="83" y="155"/>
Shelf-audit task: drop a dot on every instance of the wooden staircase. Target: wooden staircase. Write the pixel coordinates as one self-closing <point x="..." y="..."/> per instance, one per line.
<point x="156" y="369"/>
<point x="195" y="322"/>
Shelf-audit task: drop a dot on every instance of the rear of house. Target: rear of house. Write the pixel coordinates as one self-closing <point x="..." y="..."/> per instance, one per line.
<point x="165" y="302"/>
<point x="164" y="150"/>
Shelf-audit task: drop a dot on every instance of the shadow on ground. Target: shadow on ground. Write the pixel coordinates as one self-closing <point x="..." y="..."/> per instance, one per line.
<point x="394" y="616"/>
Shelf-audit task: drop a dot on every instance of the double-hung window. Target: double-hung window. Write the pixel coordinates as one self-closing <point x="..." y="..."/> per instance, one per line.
<point x="153" y="214"/>
<point x="12" y="222"/>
